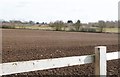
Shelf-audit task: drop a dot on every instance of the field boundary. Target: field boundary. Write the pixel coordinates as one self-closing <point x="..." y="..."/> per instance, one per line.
<point x="99" y="58"/>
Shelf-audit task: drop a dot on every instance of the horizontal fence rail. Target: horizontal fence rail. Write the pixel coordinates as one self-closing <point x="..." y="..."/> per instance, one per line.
<point x="113" y="55"/>
<point x="34" y="65"/>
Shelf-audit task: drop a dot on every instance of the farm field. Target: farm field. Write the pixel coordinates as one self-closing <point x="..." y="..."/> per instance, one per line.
<point x="23" y="45"/>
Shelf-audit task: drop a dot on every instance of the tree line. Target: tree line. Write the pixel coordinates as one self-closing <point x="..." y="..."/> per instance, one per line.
<point x="78" y="26"/>
<point x="69" y="25"/>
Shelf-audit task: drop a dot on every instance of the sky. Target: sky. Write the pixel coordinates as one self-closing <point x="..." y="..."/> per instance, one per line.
<point x="52" y="10"/>
<point x="119" y="10"/>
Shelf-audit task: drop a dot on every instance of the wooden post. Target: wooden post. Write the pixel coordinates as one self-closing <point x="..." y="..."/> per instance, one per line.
<point x="100" y="61"/>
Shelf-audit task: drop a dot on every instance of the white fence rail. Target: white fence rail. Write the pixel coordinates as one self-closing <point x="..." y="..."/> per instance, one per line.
<point x="100" y="57"/>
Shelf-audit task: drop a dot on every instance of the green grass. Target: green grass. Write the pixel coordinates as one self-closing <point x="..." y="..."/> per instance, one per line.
<point x="113" y="30"/>
<point x="34" y="27"/>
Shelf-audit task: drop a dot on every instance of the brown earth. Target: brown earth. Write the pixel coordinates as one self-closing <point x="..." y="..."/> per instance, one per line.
<point x="23" y="45"/>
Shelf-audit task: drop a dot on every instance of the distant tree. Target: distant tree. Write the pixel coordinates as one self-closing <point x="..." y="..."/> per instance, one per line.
<point x="4" y="21"/>
<point x="31" y="22"/>
<point x="69" y="21"/>
<point x="77" y="25"/>
<point x="102" y="25"/>
<point x="42" y="23"/>
<point x="118" y="23"/>
<point x="37" y="23"/>
<point x="58" y="25"/>
<point x="15" y="21"/>
<point x="25" y="22"/>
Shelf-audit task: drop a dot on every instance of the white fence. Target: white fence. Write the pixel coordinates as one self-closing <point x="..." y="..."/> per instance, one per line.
<point x="99" y="58"/>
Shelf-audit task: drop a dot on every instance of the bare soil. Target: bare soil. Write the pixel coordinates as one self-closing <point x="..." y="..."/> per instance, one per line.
<point x="23" y="45"/>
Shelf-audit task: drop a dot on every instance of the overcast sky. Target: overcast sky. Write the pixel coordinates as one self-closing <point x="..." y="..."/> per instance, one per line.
<point x="52" y="10"/>
<point x="119" y="10"/>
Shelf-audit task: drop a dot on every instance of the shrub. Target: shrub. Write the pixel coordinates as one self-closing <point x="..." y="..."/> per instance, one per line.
<point x="91" y="30"/>
<point x="88" y="30"/>
<point x="8" y="27"/>
<point x="72" y="30"/>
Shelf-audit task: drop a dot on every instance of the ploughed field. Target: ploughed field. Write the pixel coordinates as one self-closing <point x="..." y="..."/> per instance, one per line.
<point x="24" y="45"/>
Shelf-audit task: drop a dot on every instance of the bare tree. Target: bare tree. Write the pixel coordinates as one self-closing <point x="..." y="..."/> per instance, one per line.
<point x="58" y="25"/>
<point x="102" y="25"/>
<point x="77" y="25"/>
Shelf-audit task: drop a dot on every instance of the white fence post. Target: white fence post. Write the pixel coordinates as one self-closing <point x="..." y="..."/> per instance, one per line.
<point x="100" y="61"/>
